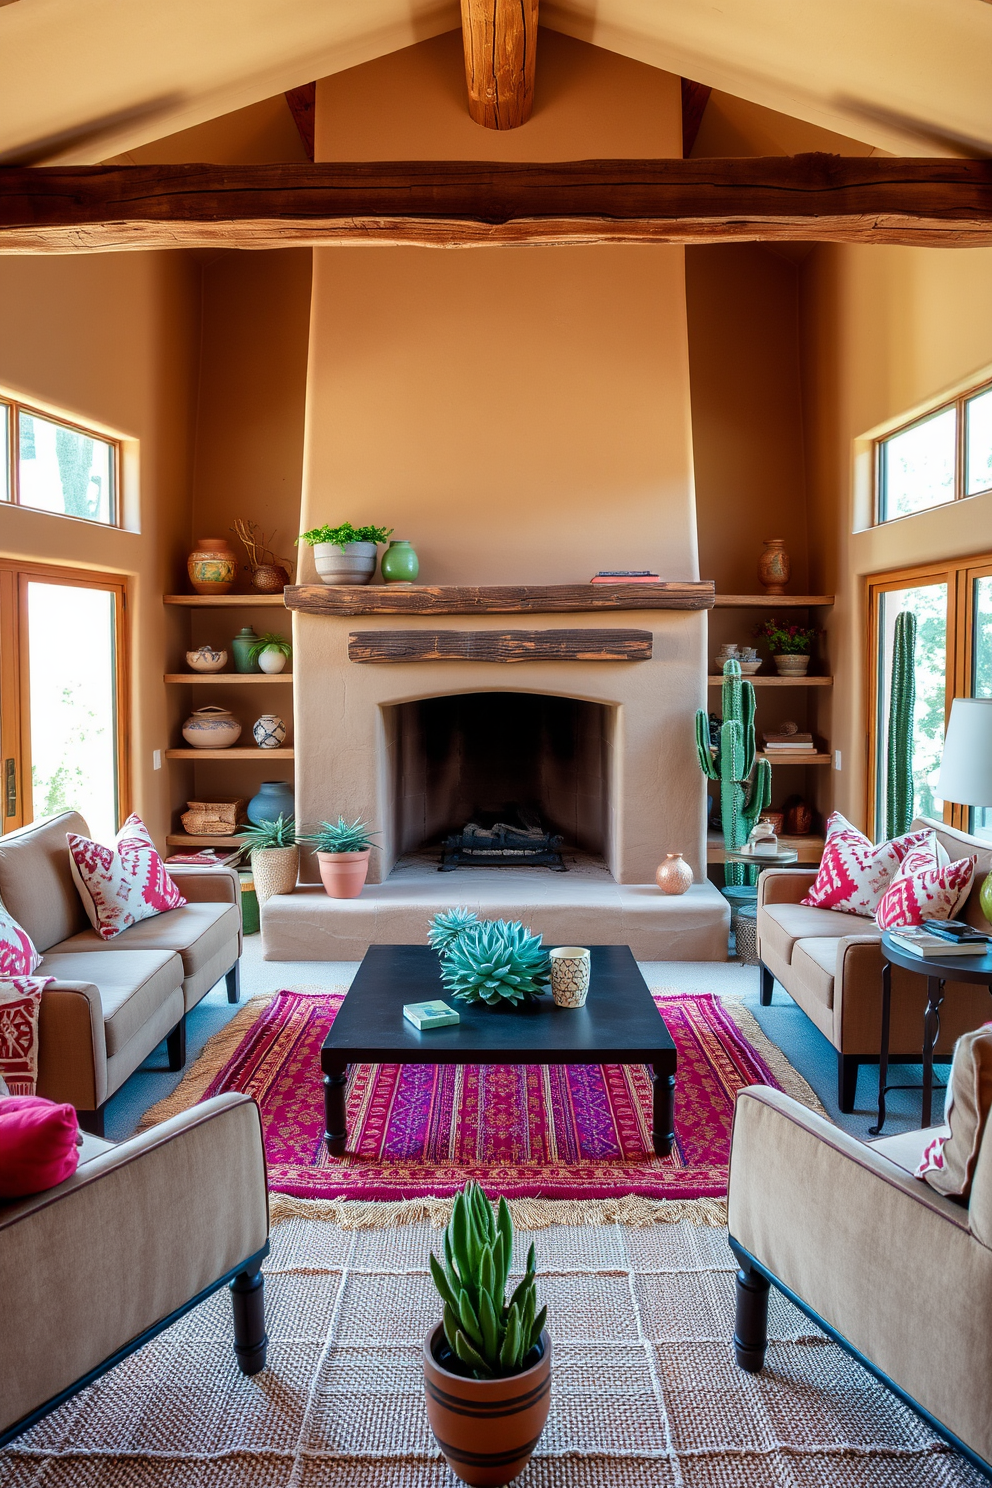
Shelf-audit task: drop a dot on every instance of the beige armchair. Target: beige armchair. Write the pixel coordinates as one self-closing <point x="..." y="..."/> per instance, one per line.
<point x="141" y="1233"/>
<point x="897" y="1274"/>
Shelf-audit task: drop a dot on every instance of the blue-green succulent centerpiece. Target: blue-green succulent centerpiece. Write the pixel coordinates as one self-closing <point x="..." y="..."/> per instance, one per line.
<point x="497" y="962"/>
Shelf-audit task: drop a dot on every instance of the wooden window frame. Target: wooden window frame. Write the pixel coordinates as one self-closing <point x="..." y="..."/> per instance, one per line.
<point x="15" y="715"/>
<point x="959" y="575"/>
<point x="11" y="410"/>
<point x="959" y="403"/>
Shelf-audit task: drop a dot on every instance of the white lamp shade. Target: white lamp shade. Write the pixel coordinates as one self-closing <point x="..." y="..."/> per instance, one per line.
<point x="966" y="764"/>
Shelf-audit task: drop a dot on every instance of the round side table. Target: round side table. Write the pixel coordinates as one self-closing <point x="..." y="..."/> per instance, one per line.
<point x="744" y="917"/>
<point x="938" y="970"/>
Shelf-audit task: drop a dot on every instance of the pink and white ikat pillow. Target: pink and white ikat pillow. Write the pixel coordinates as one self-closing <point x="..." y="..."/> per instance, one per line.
<point x="123" y="884"/>
<point x="854" y="873"/>
<point x="924" y="889"/>
<point x="18" y="954"/>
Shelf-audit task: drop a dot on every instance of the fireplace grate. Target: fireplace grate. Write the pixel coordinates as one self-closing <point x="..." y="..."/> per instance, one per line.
<point x="515" y="837"/>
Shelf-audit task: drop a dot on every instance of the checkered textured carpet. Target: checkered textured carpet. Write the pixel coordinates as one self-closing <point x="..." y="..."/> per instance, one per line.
<point x="645" y="1388"/>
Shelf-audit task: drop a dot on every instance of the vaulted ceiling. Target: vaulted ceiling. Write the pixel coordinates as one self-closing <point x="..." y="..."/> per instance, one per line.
<point x="95" y="77"/>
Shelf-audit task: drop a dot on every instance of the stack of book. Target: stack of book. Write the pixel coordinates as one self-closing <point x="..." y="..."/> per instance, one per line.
<point x="937" y="938"/>
<point x="625" y="576"/>
<point x="789" y="744"/>
<point x="207" y="857"/>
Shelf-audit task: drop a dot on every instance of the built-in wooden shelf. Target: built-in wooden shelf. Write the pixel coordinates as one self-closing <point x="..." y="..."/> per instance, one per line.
<point x="716" y="681"/>
<point x="768" y="601"/>
<point x="251" y="678"/>
<point x="810" y="849"/>
<point x="225" y="601"/>
<point x="184" y="839"/>
<point x="496" y="599"/>
<point x="780" y="757"/>
<point x="254" y="753"/>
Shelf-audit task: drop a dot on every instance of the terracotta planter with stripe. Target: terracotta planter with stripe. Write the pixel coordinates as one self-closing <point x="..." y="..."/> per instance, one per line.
<point x="487" y="1429"/>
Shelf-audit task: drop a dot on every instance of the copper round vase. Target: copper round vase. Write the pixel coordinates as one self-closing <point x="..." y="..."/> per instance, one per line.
<point x="774" y="566"/>
<point x="487" y="1429"/>
<point x="674" y="876"/>
<point x="212" y="566"/>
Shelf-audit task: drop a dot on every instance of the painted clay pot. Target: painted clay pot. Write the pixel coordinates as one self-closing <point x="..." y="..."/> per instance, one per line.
<point x="400" y="564"/>
<point x="269" y="731"/>
<point x="774" y="566"/>
<point x="206" y="659"/>
<point x="343" y="874"/>
<point x="674" y="876"/>
<point x="352" y="564"/>
<point x="487" y="1429"/>
<point x="791" y="666"/>
<point x="212" y="566"/>
<point x="241" y="647"/>
<point x="275" y="871"/>
<point x="275" y="798"/>
<point x="269" y="578"/>
<point x="211" y="728"/>
<point x="272" y="660"/>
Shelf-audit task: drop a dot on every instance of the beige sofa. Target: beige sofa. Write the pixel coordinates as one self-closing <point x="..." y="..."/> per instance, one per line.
<point x="831" y="965"/>
<point x="114" y="1001"/>
<point x="898" y="1274"/>
<point x="142" y="1232"/>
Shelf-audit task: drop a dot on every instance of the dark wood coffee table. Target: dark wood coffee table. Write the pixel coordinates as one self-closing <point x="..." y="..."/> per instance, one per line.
<point x="619" y="1024"/>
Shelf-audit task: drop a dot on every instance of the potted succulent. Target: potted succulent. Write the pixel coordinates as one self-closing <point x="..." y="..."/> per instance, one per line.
<point x="275" y="856"/>
<point x="487" y="1365"/>
<point x="271" y="651"/>
<point x="345" y="554"/>
<point x="342" y="850"/>
<point x="790" y="646"/>
<point x="496" y="962"/>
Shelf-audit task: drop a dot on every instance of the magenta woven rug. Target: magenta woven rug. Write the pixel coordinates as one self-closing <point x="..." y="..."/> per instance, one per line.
<point x="526" y="1131"/>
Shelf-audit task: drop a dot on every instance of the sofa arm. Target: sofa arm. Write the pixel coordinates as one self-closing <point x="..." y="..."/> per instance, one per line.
<point x="784" y="885"/>
<point x="72" y="1046"/>
<point x="147" y="1226"/>
<point x="206" y="885"/>
<point x="875" y="1253"/>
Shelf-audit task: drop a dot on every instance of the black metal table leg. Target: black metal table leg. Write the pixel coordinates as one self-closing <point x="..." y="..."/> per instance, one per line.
<point x="335" y="1111"/>
<point x="663" y="1112"/>
<point x="931" y="1033"/>
<point x="883" y="1053"/>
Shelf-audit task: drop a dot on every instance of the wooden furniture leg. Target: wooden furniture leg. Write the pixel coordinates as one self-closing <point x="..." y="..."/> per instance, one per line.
<point x="233" y="980"/>
<point x="175" y="1043"/>
<point x="250" y="1338"/>
<point x="931" y="1033"/>
<point x="767" y="985"/>
<point x="751" y="1321"/>
<point x="663" y="1129"/>
<point x="883" y="1053"/>
<point x="335" y="1112"/>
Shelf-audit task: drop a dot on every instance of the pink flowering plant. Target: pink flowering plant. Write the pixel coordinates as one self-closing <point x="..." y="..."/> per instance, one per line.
<point x="787" y="640"/>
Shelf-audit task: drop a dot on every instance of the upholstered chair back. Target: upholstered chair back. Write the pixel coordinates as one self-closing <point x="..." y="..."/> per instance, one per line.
<point x="980" y="1204"/>
<point x="36" y="884"/>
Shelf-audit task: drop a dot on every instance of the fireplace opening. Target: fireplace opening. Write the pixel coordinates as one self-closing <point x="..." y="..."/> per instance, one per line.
<point x="500" y="778"/>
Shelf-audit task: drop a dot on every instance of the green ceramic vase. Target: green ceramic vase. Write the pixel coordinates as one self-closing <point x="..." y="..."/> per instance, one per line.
<point x="241" y="647"/>
<point x="400" y="564"/>
<point x="985" y="897"/>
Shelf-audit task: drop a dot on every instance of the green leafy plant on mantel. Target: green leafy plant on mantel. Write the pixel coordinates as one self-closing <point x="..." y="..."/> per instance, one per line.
<point x="340" y="836"/>
<point x="270" y="641"/>
<point x="787" y="640"/>
<point x="492" y="961"/>
<point x="343" y="534"/>
<point x="260" y="836"/>
<point x="489" y="1337"/>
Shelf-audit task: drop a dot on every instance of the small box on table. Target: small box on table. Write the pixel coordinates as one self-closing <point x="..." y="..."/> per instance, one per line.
<point x="424" y="1015"/>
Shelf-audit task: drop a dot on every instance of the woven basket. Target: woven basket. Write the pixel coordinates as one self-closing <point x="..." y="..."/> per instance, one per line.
<point x="746" y="935"/>
<point x="214" y="818"/>
<point x="274" y="870"/>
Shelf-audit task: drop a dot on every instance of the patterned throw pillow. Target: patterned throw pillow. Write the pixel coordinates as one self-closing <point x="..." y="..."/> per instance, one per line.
<point x="948" y="1162"/>
<point x="39" y="1145"/>
<point x="854" y="873"/>
<point x="123" y="884"/>
<point x="924" y="889"/>
<point x="18" y="955"/>
<point x="20" y="1005"/>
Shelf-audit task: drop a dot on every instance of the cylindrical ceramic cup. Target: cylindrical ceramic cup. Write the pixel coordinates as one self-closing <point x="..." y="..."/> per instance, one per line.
<point x="569" y="975"/>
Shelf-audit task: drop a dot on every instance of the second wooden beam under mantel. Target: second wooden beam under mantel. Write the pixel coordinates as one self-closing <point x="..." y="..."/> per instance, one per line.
<point x="391" y="646"/>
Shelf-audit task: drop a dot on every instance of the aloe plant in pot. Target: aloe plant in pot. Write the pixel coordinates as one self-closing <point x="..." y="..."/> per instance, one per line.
<point x="487" y="1365"/>
<point x="342" y="850"/>
<point x="275" y="856"/>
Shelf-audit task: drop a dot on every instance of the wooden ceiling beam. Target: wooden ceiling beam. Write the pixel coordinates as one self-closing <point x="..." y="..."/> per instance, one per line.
<point x="302" y="104"/>
<point x="500" y="41"/>
<point x="459" y="204"/>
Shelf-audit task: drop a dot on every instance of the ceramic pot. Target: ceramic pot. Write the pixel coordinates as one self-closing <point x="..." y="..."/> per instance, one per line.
<point x="487" y="1429"/>
<point x="352" y="564"/>
<point x="272" y="660"/>
<point x="673" y="876"/>
<point x="275" y="871"/>
<point x="269" y="578"/>
<point x="798" y="820"/>
<point x="343" y="874"/>
<point x="241" y="648"/>
<point x="212" y="566"/>
<point x="774" y="566"/>
<point x="400" y="564"/>
<point x="791" y="666"/>
<point x="269" y="731"/>
<point x="206" y="659"/>
<point x="211" y="728"/>
<point x="569" y="975"/>
<point x="275" y="798"/>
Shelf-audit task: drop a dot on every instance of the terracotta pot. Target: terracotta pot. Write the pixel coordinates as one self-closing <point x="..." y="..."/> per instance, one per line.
<point x="674" y="876"/>
<point x="211" y="728"/>
<point x="212" y="566"/>
<point x="269" y="578"/>
<point x="774" y="566"/>
<point x="487" y="1429"/>
<point x="343" y="874"/>
<point x="791" y="666"/>
<point x="275" y="871"/>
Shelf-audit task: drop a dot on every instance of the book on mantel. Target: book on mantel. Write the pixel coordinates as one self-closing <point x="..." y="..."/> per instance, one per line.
<point x="625" y="576"/>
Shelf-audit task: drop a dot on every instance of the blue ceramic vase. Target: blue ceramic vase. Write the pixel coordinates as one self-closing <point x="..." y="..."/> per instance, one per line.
<point x="275" y="798"/>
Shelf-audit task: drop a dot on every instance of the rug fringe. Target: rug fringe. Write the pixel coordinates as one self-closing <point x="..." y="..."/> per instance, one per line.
<point x="528" y="1214"/>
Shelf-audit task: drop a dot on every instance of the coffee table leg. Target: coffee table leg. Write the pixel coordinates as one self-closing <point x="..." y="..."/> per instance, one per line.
<point x="664" y="1111"/>
<point x="335" y="1115"/>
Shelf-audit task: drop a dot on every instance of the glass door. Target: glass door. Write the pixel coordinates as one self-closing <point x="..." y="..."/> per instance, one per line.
<point x="979" y="631"/>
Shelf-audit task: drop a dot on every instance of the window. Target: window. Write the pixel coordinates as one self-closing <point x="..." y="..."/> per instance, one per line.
<point x="938" y="458"/>
<point x="54" y="466"/>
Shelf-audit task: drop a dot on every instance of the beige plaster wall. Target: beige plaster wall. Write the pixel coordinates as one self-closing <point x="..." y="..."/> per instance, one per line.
<point x="885" y="330"/>
<point x="112" y="339"/>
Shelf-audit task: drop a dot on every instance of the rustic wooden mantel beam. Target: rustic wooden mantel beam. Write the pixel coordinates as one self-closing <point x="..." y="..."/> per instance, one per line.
<point x="464" y="204"/>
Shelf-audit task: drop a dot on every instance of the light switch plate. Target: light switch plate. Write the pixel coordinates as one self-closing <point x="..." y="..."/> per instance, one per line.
<point x="156" y="759"/>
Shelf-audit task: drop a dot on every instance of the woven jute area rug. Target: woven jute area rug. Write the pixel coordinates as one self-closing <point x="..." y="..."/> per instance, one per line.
<point x="645" y="1388"/>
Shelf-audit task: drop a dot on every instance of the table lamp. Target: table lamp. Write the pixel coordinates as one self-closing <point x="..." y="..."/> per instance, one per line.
<point x="966" y="765"/>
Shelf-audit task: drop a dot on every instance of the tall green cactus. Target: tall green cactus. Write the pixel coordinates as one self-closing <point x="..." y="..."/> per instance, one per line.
<point x="899" y="792"/>
<point x="743" y="795"/>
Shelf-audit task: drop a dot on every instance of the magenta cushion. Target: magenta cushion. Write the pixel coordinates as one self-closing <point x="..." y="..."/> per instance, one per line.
<point x="38" y="1145"/>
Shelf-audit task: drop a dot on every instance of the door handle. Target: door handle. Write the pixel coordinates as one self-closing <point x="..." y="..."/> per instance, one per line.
<point x="10" y="786"/>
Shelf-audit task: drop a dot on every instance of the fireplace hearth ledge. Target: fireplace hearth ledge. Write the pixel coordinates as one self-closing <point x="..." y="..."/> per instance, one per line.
<point x="308" y="926"/>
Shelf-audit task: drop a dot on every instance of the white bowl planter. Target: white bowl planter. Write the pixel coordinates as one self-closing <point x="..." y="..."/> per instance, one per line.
<point x="352" y="564"/>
